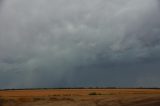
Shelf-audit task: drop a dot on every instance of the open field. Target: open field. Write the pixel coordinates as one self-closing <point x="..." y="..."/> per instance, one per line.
<point x="81" y="97"/>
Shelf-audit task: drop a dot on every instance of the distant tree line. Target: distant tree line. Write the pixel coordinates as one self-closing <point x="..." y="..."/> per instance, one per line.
<point x="80" y="88"/>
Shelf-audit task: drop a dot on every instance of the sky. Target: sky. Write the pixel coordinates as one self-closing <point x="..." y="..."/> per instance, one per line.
<point x="79" y="43"/>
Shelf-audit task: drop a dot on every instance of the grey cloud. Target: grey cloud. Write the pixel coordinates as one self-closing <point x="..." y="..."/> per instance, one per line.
<point x="47" y="43"/>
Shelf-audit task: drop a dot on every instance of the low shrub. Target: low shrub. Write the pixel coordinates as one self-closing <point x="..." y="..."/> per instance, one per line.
<point x="93" y="93"/>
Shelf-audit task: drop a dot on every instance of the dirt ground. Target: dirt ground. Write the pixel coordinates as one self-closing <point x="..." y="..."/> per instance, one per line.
<point x="81" y="97"/>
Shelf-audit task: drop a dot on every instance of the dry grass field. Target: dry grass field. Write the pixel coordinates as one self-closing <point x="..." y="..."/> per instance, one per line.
<point x="81" y="97"/>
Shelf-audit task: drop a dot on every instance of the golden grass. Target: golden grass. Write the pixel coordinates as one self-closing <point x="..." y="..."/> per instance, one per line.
<point x="81" y="97"/>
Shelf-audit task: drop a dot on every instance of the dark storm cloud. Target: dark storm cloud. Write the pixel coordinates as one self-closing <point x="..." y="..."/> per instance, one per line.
<point x="59" y="43"/>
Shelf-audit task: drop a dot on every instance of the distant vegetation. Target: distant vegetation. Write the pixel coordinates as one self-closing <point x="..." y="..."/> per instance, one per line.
<point x="81" y="88"/>
<point x="94" y="93"/>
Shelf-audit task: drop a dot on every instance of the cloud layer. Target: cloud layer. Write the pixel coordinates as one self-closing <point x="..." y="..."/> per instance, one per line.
<point x="59" y="43"/>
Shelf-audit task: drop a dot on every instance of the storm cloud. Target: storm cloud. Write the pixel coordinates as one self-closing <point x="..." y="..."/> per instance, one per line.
<point x="72" y="43"/>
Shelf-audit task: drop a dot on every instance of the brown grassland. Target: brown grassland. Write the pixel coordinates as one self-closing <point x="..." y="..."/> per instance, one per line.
<point x="81" y="97"/>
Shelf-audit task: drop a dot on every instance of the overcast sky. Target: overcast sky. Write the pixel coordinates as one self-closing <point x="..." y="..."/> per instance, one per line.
<point x="73" y="43"/>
